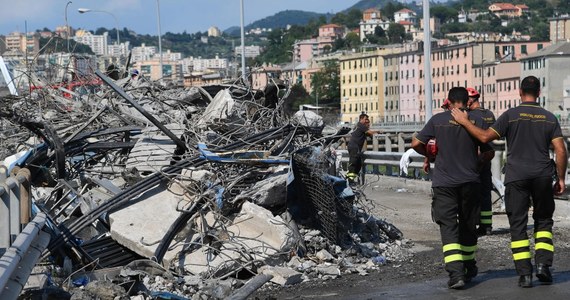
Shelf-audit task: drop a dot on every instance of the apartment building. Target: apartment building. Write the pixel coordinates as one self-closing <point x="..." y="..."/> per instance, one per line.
<point x="508" y="80"/>
<point x="171" y="70"/>
<point x="560" y="29"/>
<point x="409" y="102"/>
<point x="391" y="91"/>
<point x="202" y="64"/>
<point x="550" y="65"/>
<point x="23" y="43"/>
<point x="98" y="43"/>
<point x="143" y="52"/>
<point x="361" y="87"/>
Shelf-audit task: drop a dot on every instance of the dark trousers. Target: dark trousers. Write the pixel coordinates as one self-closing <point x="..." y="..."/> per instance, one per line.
<point x="354" y="160"/>
<point x="456" y="210"/>
<point x="518" y="195"/>
<point x="486" y="202"/>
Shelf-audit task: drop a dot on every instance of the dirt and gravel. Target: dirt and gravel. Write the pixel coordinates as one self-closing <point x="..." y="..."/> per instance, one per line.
<point x="410" y="212"/>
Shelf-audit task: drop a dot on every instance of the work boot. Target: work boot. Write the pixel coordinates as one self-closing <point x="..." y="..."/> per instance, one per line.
<point x="352" y="179"/>
<point x="543" y="274"/>
<point x="525" y="281"/>
<point x="484" y="230"/>
<point x="470" y="273"/>
<point x="456" y="283"/>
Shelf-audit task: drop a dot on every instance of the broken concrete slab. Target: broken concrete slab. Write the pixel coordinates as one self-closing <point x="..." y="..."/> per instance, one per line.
<point x="208" y="261"/>
<point x="282" y="276"/>
<point x="308" y="118"/>
<point x="219" y="109"/>
<point x="260" y="233"/>
<point x="270" y="192"/>
<point x="140" y="226"/>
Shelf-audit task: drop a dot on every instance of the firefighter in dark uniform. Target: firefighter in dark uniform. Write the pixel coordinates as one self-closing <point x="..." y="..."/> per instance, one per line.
<point x="357" y="139"/>
<point x="486" y="221"/>
<point x="455" y="184"/>
<point x="529" y="130"/>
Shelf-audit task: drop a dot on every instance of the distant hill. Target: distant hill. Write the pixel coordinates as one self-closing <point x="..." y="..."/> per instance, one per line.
<point x="280" y="20"/>
<point x="366" y="4"/>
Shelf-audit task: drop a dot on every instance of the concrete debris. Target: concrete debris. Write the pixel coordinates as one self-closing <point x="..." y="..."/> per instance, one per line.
<point x="187" y="192"/>
<point x="282" y="276"/>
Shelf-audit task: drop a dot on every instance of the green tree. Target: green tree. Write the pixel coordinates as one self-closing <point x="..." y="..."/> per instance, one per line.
<point x="396" y="33"/>
<point x="297" y="97"/>
<point x="390" y="8"/>
<point x="325" y="83"/>
<point x="352" y="41"/>
<point x="57" y="44"/>
<point x="444" y="13"/>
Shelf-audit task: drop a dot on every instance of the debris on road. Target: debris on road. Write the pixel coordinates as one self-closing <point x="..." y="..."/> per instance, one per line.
<point x="156" y="192"/>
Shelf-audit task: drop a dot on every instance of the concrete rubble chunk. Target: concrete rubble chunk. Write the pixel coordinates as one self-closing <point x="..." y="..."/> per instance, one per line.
<point x="260" y="233"/>
<point x="140" y="226"/>
<point x="219" y="109"/>
<point x="282" y="276"/>
<point x="270" y="192"/>
<point x="308" y="118"/>
<point x="324" y="255"/>
<point x="325" y="269"/>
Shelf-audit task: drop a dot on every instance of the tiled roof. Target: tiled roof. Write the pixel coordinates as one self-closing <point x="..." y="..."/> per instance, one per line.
<point x="504" y="6"/>
<point x="331" y="26"/>
<point x="405" y="10"/>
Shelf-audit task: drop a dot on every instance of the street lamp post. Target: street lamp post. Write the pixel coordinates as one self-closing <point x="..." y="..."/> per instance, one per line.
<point x="159" y="37"/>
<point x="86" y="10"/>
<point x="67" y="26"/>
<point x="484" y="64"/>
<point x="482" y="91"/>
<point x="244" y="76"/>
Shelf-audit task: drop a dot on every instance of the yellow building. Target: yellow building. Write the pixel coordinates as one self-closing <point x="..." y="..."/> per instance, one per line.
<point x="361" y="86"/>
<point x="17" y="42"/>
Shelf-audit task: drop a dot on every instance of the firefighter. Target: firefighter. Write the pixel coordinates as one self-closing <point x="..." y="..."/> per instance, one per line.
<point x="427" y="160"/>
<point x="355" y="144"/>
<point x="455" y="185"/>
<point x="486" y="221"/>
<point x="529" y="130"/>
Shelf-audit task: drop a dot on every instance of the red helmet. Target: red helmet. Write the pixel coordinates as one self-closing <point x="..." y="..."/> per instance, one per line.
<point x="446" y="104"/>
<point x="472" y="92"/>
<point x="431" y="148"/>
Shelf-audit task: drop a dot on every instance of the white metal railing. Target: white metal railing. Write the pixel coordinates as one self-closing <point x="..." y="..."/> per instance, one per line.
<point x="15" y="205"/>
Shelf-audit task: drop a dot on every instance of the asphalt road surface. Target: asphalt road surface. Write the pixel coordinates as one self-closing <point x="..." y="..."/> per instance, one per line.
<point x="423" y="277"/>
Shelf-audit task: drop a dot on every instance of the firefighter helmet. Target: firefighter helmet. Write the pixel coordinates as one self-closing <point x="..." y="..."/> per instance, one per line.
<point x="431" y="149"/>
<point x="472" y="92"/>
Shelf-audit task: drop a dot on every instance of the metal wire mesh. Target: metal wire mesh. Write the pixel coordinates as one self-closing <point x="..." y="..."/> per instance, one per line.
<point x="331" y="213"/>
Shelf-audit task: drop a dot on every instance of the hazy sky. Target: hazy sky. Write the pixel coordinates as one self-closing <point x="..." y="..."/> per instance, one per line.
<point x="140" y="15"/>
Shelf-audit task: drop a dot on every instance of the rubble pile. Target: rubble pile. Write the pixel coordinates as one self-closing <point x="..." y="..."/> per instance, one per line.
<point x="158" y="192"/>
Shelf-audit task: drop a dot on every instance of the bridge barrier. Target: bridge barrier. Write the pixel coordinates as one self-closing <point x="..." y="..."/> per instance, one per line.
<point x="19" y="249"/>
<point x="16" y="205"/>
<point x="19" y="260"/>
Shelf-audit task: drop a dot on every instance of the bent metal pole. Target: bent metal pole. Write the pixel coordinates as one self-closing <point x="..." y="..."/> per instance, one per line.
<point x="138" y="107"/>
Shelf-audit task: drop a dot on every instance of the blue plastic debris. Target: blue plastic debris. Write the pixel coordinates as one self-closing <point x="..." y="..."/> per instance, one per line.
<point x="166" y="296"/>
<point x="81" y="281"/>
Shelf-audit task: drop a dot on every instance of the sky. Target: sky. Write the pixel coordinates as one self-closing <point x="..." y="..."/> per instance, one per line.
<point x="176" y="16"/>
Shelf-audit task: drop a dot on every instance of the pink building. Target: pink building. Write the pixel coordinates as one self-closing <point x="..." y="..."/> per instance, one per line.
<point x="409" y="87"/>
<point x="262" y="76"/>
<point x="450" y="67"/>
<point x="331" y="30"/>
<point x="518" y="50"/>
<point x="305" y="50"/>
<point x="508" y="78"/>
